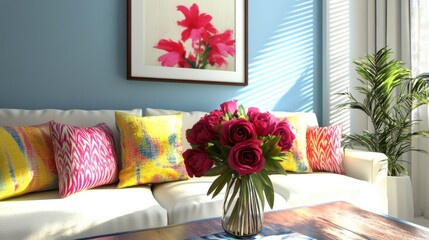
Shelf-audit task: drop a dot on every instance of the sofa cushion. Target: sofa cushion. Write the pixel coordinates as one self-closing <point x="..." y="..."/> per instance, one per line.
<point x="324" y="149"/>
<point x="322" y="187"/>
<point x="188" y="120"/>
<point x="26" y="160"/>
<point x="151" y="149"/>
<point x="188" y="201"/>
<point x="85" y="156"/>
<point x="93" y="212"/>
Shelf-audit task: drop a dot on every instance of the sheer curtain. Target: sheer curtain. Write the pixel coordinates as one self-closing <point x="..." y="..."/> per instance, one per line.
<point x="420" y="64"/>
<point x="352" y="28"/>
<point x="355" y="27"/>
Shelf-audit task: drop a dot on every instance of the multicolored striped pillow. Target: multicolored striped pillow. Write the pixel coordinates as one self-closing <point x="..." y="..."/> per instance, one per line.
<point x="151" y="149"/>
<point x="26" y="160"/>
<point x="85" y="157"/>
<point x="324" y="149"/>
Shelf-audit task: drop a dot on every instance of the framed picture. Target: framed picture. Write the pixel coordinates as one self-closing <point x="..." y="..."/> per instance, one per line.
<point x="192" y="41"/>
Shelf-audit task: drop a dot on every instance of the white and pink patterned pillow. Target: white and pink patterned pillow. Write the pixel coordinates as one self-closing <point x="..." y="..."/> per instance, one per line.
<point x="324" y="149"/>
<point x="85" y="157"/>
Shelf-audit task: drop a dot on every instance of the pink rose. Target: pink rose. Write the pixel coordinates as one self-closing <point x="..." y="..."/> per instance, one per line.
<point x="246" y="157"/>
<point x="213" y="120"/>
<point x="252" y="112"/>
<point x="200" y="133"/>
<point x="235" y="131"/>
<point x="217" y="112"/>
<point x="287" y="136"/>
<point x="230" y="106"/>
<point x="265" y="123"/>
<point x="197" y="162"/>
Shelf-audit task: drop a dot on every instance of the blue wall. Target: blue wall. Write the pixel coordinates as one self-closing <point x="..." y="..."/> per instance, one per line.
<point x="72" y="54"/>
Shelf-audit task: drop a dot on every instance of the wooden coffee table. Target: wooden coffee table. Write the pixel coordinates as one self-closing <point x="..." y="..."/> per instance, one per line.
<point x="337" y="220"/>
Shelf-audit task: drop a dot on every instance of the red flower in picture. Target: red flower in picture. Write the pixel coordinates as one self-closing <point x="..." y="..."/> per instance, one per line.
<point x="195" y="23"/>
<point x="221" y="46"/>
<point x="208" y="47"/>
<point x="176" y="53"/>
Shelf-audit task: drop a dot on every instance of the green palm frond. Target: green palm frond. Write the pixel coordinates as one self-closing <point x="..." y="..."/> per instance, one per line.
<point x="390" y="95"/>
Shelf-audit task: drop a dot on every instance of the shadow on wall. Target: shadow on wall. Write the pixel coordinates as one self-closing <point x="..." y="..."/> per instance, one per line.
<point x="282" y="71"/>
<point x="303" y="88"/>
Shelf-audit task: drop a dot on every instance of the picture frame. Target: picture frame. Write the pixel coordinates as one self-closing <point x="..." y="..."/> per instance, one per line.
<point x="189" y="41"/>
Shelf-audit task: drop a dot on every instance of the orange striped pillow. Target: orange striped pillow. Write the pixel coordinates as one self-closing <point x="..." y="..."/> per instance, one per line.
<point x="324" y="149"/>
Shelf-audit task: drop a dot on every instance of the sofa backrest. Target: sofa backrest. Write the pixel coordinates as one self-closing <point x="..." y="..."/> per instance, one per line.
<point x="190" y="118"/>
<point x="310" y="117"/>
<point x="76" y="117"/>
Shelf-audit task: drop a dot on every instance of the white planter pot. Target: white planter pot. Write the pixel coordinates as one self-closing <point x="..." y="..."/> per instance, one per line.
<point x="400" y="197"/>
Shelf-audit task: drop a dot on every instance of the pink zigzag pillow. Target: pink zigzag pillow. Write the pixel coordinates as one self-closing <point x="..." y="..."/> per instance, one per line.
<point x="85" y="157"/>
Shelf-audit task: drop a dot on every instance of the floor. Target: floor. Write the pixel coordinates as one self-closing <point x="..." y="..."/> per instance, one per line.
<point x="422" y="221"/>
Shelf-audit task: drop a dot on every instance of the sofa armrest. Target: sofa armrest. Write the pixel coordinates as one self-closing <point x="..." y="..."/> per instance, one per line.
<point x="370" y="167"/>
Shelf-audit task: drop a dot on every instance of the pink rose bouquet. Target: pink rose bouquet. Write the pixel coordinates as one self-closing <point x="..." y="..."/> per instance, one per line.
<point x="236" y="144"/>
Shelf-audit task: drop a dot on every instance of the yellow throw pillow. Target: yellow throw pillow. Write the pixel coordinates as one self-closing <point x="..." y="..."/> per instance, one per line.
<point x="296" y="160"/>
<point x="26" y="160"/>
<point x="151" y="149"/>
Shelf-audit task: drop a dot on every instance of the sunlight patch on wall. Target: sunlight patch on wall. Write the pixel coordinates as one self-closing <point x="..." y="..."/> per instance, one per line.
<point x="338" y="62"/>
<point x="281" y="75"/>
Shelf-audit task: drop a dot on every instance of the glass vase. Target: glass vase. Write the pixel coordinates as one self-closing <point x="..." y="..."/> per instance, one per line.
<point x="243" y="214"/>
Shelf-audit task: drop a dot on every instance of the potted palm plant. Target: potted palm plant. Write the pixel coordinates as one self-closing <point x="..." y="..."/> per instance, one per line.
<point x="390" y="95"/>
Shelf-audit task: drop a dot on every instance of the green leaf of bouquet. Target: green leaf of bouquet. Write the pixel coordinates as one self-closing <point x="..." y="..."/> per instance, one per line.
<point x="188" y="132"/>
<point x="269" y="194"/>
<point x="275" y="150"/>
<point x="276" y="140"/>
<point x="273" y="166"/>
<point x="265" y="178"/>
<point x="217" y="170"/>
<point x="195" y="146"/>
<point x="277" y="158"/>
<point x="268" y="190"/>
<point x="265" y="149"/>
<point x="223" y="149"/>
<point x="279" y="168"/>
<point x="263" y="175"/>
<point x="215" y="156"/>
<point x="219" y="183"/>
<point x="242" y="112"/>
<point x="257" y="181"/>
<point x="271" y="147"/>
<point x="273" y="141"/>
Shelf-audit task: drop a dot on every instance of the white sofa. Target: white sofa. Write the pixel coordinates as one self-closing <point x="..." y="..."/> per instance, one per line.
<point x="106" y="209"/>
